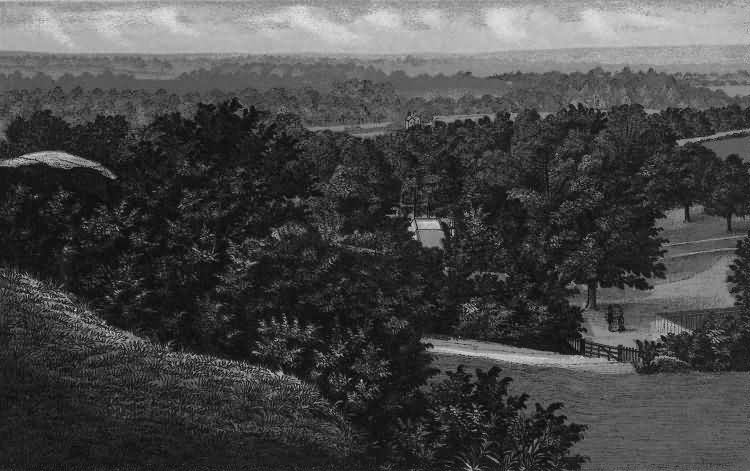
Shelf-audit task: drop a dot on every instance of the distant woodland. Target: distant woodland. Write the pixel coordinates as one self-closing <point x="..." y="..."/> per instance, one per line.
<point x="542" y="91"/>
<point x="349" y="102"/>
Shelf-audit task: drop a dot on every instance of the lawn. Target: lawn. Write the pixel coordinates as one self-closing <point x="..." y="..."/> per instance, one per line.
<point x="732" y="90"/>
<point x="686" y="422"/>
<point x="732" y="145"/>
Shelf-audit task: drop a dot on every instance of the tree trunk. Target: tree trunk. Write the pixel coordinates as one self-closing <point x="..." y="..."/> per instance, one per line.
<point x="729" y="222"/>
<point x="591" y="301"/>
<point x="687" y="213"/>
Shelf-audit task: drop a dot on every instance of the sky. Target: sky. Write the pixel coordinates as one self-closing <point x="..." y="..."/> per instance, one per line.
<point x="366" y="26"/>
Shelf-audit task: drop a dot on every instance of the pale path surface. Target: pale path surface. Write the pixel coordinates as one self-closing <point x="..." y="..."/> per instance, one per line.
<point x="525" y="356"/>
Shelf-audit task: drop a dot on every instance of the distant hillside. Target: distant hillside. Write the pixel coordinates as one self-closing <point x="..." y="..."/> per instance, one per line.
<point x="75" y="391"/>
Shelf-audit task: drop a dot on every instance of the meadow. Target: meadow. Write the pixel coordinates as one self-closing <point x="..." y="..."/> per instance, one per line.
<point x="732" y="145"/>
<point x="732" y="90"/>
<point x="687" y="422"/>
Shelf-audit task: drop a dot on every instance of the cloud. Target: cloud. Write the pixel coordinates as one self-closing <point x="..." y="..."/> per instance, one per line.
<point x="508" y="24"/>
<point x="109" y="24"/>
<point x="169" y="19"/>
<point x="385" y="26"/>
<point x="597" y="24"/>
<point x="432" y="18"/>
<point x="385" y="20"/>
<point x="46" y="23"/>
<point x="305" y="21"/>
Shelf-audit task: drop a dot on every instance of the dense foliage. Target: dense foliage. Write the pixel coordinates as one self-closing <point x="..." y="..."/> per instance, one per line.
<point x="240" y="233"/>
<point x="473" y="423"/>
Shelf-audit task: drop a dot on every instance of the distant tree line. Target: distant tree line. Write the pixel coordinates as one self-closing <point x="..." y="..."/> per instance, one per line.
<point x="549" y="91"/>
<point x="348" y="102"/>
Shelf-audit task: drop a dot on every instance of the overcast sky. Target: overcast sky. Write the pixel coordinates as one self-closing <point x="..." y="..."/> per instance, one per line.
<point x="361" y="26"/>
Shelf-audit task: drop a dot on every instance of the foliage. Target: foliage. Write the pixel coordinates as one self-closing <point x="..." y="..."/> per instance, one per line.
<point x="647" y="354"/>
<point x="682" y="177"/>
<point x="739" y="276"/>
<point x="475" y="424"/>
<point x="732" y="190"/>
<point x="720" y="345"/>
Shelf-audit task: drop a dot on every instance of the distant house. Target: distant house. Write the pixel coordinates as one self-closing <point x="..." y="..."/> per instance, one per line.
<point x="429" y="231"/>
<point x="412" y="120"/>
<point x="447" y="119"/>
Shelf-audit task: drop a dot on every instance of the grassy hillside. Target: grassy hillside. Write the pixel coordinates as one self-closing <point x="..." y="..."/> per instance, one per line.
<point x="686" y="422"/>
<point x="75" y="391"/>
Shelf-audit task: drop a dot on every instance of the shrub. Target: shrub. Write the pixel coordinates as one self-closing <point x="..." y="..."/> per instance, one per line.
<point x="647" y="353"/>
<point x="720" y="345"/>
<point x="665" y="364"/>
<point x="475" y="424"/>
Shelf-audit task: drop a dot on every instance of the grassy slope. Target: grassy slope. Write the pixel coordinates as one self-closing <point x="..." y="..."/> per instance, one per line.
<point x="686" y="422"/>
<point x="74" y="391"/>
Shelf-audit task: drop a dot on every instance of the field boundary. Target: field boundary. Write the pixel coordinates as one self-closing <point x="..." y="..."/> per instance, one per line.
<point x="591" y="349"/>
<point x="687" y="321"/>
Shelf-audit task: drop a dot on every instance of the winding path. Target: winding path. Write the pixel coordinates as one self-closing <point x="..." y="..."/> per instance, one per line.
<point x="526" y="356"/>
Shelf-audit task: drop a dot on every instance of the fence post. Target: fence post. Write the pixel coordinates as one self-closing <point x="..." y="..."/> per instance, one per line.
<point x="583" y="346"/>
<point x="619" y="353"/>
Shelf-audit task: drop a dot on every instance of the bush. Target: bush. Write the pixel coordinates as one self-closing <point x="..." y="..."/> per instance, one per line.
<point x="646" y="361"/>
<point x="720" y="345"/>
<point x="475" y="424"/>
<point x="665" y="364"/>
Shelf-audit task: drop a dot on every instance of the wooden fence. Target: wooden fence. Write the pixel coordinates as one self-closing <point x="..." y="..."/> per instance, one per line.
<point x="686" y="321"/>
<point x="591" y="349"/>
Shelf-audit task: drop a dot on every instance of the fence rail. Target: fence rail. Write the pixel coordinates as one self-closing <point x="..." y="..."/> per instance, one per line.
<point x="591" y="349"/>
<point x="686" y="321"/>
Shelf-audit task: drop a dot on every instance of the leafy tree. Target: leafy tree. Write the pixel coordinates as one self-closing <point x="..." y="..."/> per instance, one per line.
<point x="620" y="244"/>
<point x="682" y="177"/>
<point x="41" y="131"/>
<point x="732" y="190"/>
<point x="739" y="277"/>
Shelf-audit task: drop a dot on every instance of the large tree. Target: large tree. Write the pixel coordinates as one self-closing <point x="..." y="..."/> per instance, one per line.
<point x="681" y="177"/>
<point x="582" y="186"/>
<point x="731" y="190"/>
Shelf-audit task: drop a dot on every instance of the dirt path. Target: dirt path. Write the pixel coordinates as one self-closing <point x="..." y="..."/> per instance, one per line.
<point x="525" y="356"/>
<point x="713" y="239"/>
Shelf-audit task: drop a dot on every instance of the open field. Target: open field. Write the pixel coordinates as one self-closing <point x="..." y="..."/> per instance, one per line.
<point x="74" y="390"/>
<point x="686" y="422"/>
<point x="732" y="90"/>
<point x="731" y="145"/>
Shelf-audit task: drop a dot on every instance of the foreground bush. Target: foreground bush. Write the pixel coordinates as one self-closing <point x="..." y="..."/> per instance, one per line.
<point x="474" y="424"/>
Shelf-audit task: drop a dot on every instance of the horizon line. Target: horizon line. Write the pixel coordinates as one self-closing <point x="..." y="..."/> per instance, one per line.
<point x="364" y="54"/>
